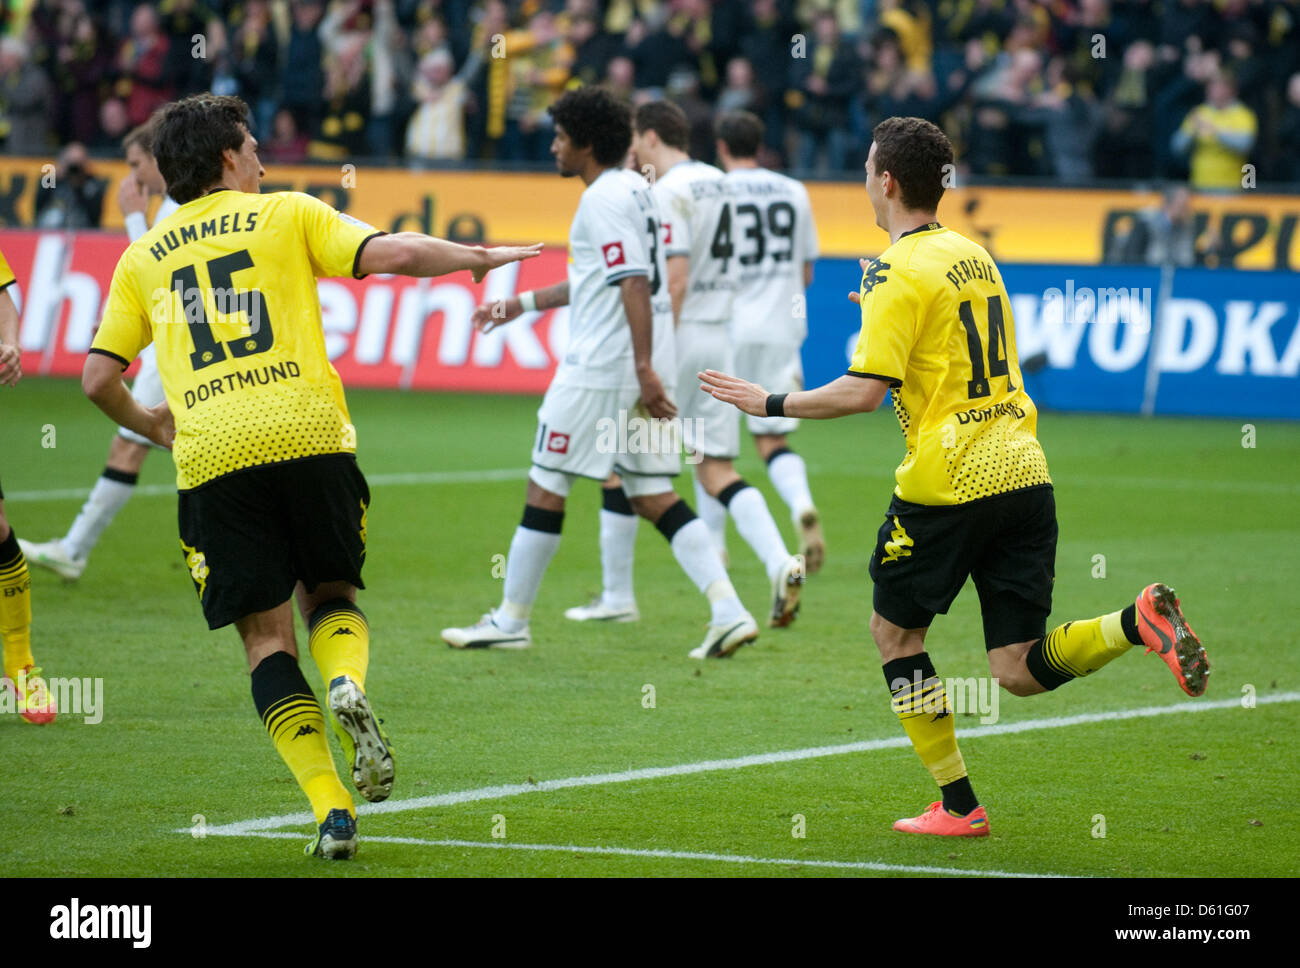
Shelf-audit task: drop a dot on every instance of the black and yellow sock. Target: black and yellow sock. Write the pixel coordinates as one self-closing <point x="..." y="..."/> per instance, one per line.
<point x="340" y="641"/>
<point x="15" y="607"/>
<point x="1078" y="649"/>
<point x="922" y="706"/>
<point x="292" y="716"/>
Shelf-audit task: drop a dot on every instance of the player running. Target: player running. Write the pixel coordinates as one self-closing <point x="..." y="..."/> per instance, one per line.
<point x="610" y="372"/>
<point x="67" y="556"/>
<point x="271" y="503"/>
<point x="973" y="496"/>
<point x="22" y="676"/>
<point x="774" y="241"/>
<point x="693" y="204"/>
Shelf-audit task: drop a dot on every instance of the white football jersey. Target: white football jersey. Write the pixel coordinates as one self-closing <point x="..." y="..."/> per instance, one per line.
<point x="615" y="234"/>
<point x="693" y="200"/>
<point x="771" y="236"/>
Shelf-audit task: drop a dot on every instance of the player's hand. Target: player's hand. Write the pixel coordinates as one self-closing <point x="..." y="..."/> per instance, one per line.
<point x="131" y="196"/>
<point x="654" y="397"/>
<point x="856" y="297"/>
<point x="11" y="365"/>
<point x="163" y="429"/>
<point x="489" y="315"/>
<point x="746" y="396"/>
<point x="502" y="254"/>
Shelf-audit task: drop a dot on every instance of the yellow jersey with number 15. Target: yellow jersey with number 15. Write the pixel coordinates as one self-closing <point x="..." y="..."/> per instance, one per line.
<point x="937" y="326"/>
<point x="226" y="291"/>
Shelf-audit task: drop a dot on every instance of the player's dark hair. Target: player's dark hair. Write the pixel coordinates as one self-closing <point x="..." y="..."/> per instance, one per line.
<point x="667" y="120"/>
<point x="595" y="117"/>
<point x="915" y="152"/>
<point x="741" y="132"/>
<point x="189" y="137"/>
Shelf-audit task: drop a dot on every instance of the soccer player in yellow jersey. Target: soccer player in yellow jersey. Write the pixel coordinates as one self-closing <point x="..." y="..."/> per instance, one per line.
<point x="271" y="501"/>
<point x="22" y="677"/>
<point x="973" y="496"/>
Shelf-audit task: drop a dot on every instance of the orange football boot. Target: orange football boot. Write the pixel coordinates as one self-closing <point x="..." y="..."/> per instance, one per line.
<point x="937" y="820"/>
<point x="35" y="704"/>
<point x="1165" y="630"/>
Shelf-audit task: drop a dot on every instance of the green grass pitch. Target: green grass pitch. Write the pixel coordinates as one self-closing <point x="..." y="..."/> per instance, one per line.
<point x="1177" y="793"/>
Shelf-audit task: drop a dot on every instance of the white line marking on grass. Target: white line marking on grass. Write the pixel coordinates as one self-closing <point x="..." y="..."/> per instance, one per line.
<point x="262" y="824"/>
<point x="851" y="865"/>
<point x="375" y="480"/>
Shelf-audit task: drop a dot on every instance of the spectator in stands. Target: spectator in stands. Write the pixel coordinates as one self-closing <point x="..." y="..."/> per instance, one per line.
<point x="1219" y="136"/>
<point x="142" y="66"/>
<point x="84" y="57"/>
<point x="436" y="130"/>
<point x="254" y="57"/>
<point x="287" y="144"/>
<point x="539" y="59"/>
<point x="341" y="127"/>
<point x="189" y="68"/>
<point x="304" y="75"/>
<point x="620" y="77"/>
<point x="113" y="125"/>
<point x="1123" y="147"/>
<point x="741" y="91"/>
<point x="593" y="49"/>
<point x="1164" y="234"/>
<point x="823" y="82"/>
<point x="25" y="95"/>
<point x="76" y="198"/>
<point x="1288" y="135"/>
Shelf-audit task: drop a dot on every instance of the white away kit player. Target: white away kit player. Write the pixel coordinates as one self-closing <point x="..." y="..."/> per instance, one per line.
<point x="776" y="245"/>
<point x="67" y="556"/>
<point x="702" y="270"/>
<point x="607" y="375"/>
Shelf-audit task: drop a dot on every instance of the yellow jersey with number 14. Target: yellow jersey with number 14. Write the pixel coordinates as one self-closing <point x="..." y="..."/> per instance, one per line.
<point x="226" y="291"/>
<point x="937" y="326"/>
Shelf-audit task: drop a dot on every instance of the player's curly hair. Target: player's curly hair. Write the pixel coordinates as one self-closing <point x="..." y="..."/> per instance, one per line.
<point x="915" y="152"/>
<point x="189" y="137"/>
<point x="596" y="117"/>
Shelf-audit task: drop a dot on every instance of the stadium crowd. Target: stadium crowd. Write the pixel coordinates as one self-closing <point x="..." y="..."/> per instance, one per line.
<point x="1070" y="90"/>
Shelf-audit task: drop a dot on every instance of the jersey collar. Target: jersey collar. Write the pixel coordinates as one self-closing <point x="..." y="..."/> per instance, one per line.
<point x="928" y="227"/>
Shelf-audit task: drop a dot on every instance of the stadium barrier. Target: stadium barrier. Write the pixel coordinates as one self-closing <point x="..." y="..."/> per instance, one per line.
<point x="1097" y="338"/>
<point x="1249" y="230"/>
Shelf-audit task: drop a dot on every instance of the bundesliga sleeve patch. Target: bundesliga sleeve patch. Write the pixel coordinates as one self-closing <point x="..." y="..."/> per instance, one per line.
<point x="557" y="443"/>
<point x="613" y="254"/>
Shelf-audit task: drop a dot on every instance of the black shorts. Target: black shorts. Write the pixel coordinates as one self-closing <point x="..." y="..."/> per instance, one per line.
<point x="248" y="538"/>
<point x="1007" y="543"/>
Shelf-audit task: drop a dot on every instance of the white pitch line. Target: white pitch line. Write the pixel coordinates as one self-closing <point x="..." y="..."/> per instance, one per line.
<point x="261" y="824"/>
<point x="375" y="480"/>
<point x="851" y="865"/>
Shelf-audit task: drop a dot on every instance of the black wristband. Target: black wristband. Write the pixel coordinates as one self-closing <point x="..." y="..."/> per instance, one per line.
<point x="776" y="404"/>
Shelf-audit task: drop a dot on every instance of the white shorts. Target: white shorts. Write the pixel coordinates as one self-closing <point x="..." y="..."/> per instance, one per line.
<point x="709" y="426"/>
<point x="778" y="369"/>
<point x="147" y="390"/>
<point x="591" y="433"/>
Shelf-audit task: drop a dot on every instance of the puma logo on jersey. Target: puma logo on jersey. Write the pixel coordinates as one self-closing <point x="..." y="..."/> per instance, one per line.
<point x="873" y="276"/>
<point x="899" y="544"/>
<point x="305" y="729"/>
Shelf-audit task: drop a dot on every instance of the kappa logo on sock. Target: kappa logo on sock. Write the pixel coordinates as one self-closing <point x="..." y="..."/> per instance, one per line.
<point x="305" y="729"/>
<point x="557" y="443"/>
<point x="344" y="630"/>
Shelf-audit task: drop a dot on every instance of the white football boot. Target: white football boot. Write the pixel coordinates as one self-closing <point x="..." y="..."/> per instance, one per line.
<point x="786" y="588"/>
<point x="486" y="634"/>
<point x="722" y="640"/>
<point x="597" y="611"/>
<point x="51" y="555"/>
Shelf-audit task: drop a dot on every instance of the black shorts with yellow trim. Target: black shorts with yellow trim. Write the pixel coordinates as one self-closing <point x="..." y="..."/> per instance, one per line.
<point x="249" y="537"/>
<point x="1006" y="543"/>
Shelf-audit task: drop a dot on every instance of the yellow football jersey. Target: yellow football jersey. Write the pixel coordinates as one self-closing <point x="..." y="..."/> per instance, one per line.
<point x="226" y="290"/>
<point x="936" y="324"/>
<point x="7" y="277"/>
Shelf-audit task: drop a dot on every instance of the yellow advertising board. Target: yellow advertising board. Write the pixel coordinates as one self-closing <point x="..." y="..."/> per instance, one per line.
<point x="1250" y="230"/>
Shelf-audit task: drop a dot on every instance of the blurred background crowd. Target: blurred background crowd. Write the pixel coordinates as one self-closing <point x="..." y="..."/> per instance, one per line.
<point x="1066" y="90"/>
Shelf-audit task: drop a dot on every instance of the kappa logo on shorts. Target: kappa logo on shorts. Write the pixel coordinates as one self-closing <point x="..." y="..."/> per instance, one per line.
<point x="613" y="254"/>
<point x="557" y="443"/>
<point x="899" y="544"/>
<point x="198" y="566"/>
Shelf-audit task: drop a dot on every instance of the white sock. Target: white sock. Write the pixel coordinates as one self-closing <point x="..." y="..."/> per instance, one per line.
<point x="617" y="551"/>
<point x="530" y="552"/>
<point x="694" y="551"/>
<point x="789" y="476"/>
<point x="713" y="514"/>
<point x="107" y="497"/>
<point x="755" y="524"/>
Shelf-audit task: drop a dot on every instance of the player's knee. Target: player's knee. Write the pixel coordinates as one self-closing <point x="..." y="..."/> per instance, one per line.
<point x="1019" y="685"/>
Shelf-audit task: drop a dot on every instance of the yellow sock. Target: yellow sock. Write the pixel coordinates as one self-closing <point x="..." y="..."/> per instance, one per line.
<point x="340" y="641"/>
<point x="1078" y="649"/>
<point x="15" y="607"/>
<point x="294" y="720"/>
<point x="926" y="714"/>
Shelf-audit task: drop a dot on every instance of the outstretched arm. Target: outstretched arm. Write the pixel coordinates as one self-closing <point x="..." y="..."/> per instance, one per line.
<point x="841" y="397"/>
<point x="489" y="315"/>
<point x="415" y="254"/>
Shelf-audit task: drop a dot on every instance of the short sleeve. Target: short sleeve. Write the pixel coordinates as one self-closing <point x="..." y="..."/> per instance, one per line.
<point x="675" y="210"/>
<point x="890" y="315"/>
<point x="620" y="232"/>
<point x="7" y="277"/>
<point x="809" y="248"/>
<point x="334" y="241"/>
<point x="124" y="330"/>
